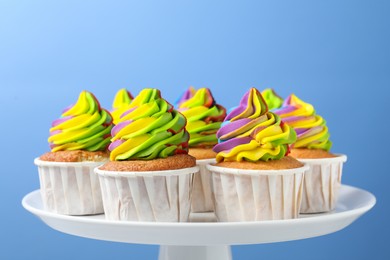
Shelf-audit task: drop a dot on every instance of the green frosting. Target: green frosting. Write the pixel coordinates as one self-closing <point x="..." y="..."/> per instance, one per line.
<point x="272" y="99"/>
<point x="149" y="129"/>
<point x="204" y="116"/>
<point x="83" y="126"/>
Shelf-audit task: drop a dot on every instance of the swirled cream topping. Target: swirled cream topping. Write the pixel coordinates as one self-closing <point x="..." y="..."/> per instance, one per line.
<point x="311" y="129"/>
<point x="150" y="128"/>
<point x="272" y="99"/>
<point x="204" y="116"/>
<point x="250" y="132"/>
<point x="120" y="104"/>
<point x="82" y="126"/>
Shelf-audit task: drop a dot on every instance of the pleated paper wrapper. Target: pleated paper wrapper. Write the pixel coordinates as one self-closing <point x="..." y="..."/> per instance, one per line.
<point x="158" y="196"/>
<point x="70" y="188"/>
<point x="256" y="195"/>
<point x="322" y="184"/>
<point x="202" y="197"/>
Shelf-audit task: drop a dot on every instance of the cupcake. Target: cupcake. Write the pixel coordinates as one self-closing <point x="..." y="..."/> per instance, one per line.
<point x="149" y="176"/>
<point x="121" y="101"/>
<point x="323" y="178"/>
<point x="273" y="100"/>
<point x="78" y="142"/>
<point x="253" y="178"/>
<point x="204" y="117"/>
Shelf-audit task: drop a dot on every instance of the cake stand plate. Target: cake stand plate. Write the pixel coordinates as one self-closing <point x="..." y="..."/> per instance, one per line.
<point x="203" y="238"/>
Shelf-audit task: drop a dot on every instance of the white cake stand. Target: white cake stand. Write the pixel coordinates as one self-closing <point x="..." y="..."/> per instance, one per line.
<point x="203" y="238"/>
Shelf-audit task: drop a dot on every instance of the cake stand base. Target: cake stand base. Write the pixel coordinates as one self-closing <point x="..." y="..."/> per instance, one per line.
<point x="195" y="253"/>
<point x="203" y="238"/>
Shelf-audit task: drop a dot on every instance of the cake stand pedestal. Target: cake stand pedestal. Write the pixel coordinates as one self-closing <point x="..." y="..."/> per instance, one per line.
<point x="194" y="252"/>
<point x="203" y="238"/>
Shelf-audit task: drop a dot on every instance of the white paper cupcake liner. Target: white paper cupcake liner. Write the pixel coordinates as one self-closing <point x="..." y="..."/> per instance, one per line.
<point x="255" y="195"/>
<point x="322" y="184"/>
<point x="202" y="197"/>
<point x="163" y="196"/>
<point x="70" y="188"/>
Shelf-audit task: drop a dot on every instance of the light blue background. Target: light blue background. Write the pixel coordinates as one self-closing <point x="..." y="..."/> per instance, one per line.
<point x="333" y="54"/>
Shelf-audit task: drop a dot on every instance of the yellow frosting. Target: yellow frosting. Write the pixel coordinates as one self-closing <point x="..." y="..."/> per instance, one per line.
<point x="149" y="129"/>
<point x="311" y="128"/>
<point x="83" y="126"/>
<point x="204" y="116"/>
<point x="250" y="132"/>
<point x="120" y="104"/>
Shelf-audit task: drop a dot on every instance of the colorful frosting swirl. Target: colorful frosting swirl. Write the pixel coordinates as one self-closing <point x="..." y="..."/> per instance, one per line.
<point x="272" y="99"/>
<point x="311" y="129"/>
<point x="250" y="132"/>
<point x="121" y="102"/>
<point x="149" y="129"/>
<point x="204" y="116"/>
<point x="82" y="126"/>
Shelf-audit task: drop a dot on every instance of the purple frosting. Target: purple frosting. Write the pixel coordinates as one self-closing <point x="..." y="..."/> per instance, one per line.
<point x="301" y="131"/>
<point x="307" y="131"/>
<point x="229" y="144"/>
<point x="186" y="96"/>
<point x="115" y="130"/>
<point x="55" y="132"/>
<point x="128" y="111"/>
<point x="61" y="120"/>
<point x="232" y="126"/>
<point x="284" y="110"/>
<point x="293" y="119"/>
<point x="115" y="144"/>
<point x="241" y="108"/>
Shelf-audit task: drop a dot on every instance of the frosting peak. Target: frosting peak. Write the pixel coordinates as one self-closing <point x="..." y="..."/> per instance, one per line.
<point x="82" y="126"/>
<point x="252" y="105"/>
<point x="312" y="132"/>
<point x="204" y="116"/>
<point x="250" y="132"/>
<point x="272" y="99"/>
<point x="150" y="128"/>
<point x="293" y="106"/>
<point x="121" y="101"/>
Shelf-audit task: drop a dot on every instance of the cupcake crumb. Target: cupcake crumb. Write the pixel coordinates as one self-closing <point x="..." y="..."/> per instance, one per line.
<point x="75" y="156"/>
<point x="202" y="153"/>
<point x="304" y="153"/>
<point x="173" y="162"/>
<point x="284" y="163"/>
